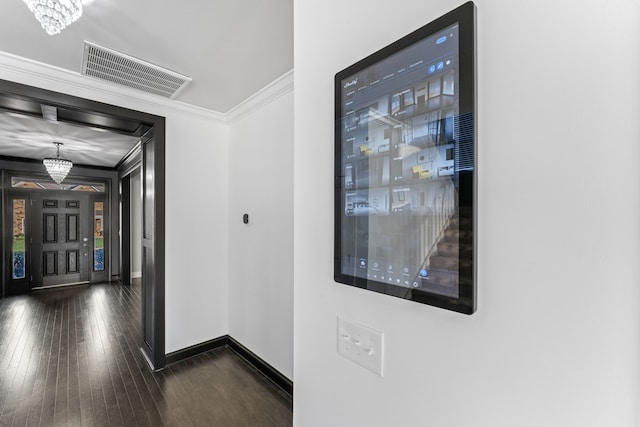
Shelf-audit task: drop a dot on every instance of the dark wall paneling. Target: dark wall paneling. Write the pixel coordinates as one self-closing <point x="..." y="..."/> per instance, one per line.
<point x="153" y="253"/>
<point x="125" y="262"/>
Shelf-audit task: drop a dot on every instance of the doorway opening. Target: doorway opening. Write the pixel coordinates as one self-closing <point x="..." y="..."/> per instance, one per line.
<point x="20" y="101"/>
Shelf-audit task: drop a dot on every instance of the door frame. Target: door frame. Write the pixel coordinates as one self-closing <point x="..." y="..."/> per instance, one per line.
<point x="125" y="229"/>
<point x="155" y="356"/>
<point x="11" y="168"/>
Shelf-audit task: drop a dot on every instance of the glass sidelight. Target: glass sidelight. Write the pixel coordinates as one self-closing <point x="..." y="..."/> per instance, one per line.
<point x="18" y="244"/>
<point x="98" y="236"/>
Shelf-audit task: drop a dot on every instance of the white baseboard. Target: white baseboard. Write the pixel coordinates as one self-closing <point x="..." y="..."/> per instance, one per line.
<point x="136" y="274"/>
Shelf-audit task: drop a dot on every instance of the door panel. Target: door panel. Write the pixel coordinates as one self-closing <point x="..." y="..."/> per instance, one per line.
<point x="73" y="224"/>
<point x="61" y="254"/>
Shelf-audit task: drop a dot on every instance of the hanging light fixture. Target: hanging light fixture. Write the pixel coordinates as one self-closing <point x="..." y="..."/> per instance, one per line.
<point x="55" y="15"/>
<point x="58" y="168"/>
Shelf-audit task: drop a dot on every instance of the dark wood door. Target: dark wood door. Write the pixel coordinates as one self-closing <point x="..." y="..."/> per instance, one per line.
<point x="61" y="240"/>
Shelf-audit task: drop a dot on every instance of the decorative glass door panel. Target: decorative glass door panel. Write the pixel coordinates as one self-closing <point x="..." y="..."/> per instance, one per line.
<point x="98" y="236"/>
<point x="18" y="253"/>
<point x="17" y="250"/>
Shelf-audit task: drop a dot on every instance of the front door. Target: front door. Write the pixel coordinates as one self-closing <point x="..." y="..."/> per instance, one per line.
<point x="61" y="240"/>
<point x="55" y="237"/>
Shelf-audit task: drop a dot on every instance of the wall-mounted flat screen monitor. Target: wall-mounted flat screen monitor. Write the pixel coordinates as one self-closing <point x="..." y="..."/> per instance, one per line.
<point x="405" y="166"/>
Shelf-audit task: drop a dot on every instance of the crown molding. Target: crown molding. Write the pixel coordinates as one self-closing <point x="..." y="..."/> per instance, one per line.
<point x="33" y="73"/>
<point x="29" y="72"/>
<point x="268" y="94"/>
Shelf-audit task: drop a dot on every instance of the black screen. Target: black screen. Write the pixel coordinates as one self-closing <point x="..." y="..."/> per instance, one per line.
<point x="405" y="165"/>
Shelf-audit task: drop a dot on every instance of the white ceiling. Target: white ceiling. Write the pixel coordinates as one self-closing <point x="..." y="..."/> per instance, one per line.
<point x="230" y="48"/>
<point x="32" y="138"/>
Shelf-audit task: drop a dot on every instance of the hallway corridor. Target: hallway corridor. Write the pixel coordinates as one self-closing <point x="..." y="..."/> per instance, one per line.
<point x="70" y="357"/>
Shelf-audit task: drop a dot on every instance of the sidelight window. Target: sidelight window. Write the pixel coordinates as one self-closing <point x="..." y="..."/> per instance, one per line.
<point x="98" y="236"/>
<point x="18" y="246"/>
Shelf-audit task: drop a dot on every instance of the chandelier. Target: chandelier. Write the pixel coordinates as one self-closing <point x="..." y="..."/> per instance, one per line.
<point x="55" y="15"/>
<point x="58" y="168"/>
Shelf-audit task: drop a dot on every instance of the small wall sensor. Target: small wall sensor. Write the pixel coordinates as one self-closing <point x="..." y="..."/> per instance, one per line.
<point x="245" y="218"/>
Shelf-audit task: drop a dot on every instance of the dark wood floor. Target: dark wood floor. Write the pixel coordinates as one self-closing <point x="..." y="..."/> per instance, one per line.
<point x="70" y="357"/>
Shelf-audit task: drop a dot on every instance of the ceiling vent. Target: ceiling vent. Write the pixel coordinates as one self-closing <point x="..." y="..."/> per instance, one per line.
<point x="115" y="67"/>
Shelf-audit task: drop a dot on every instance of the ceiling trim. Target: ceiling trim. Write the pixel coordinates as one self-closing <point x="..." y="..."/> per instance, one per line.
<point x="29" y="72"/>
<point x="266" y="95"/>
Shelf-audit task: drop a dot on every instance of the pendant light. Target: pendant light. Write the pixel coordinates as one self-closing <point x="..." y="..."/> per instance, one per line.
<point x="58" y="168"/>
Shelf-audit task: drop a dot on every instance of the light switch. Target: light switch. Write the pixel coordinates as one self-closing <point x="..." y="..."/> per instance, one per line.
<point x="361" y="344"/>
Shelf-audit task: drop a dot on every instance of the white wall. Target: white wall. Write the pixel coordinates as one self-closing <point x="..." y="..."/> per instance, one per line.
<point x="196" y="199"/>
<point x="261" y="253"/>
<point x="556" y="338"/>
<point x="197" y="240"/>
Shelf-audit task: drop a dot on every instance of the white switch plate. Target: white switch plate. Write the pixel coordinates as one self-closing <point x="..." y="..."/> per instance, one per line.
<point x="362" y="344"/>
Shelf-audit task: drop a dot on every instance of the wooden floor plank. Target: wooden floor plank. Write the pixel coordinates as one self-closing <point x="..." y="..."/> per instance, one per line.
<point x="71" y="357"/>
<point x="20" y="388"/>
<point x="74" y="413"/>
<point x="85" y="393"/>
<point x="60" y="415"/>
<point x="39" y="375"/>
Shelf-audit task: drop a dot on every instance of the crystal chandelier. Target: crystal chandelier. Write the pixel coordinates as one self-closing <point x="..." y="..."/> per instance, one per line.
<point x="55" y="15"/>
<point x="58" y="168"/>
